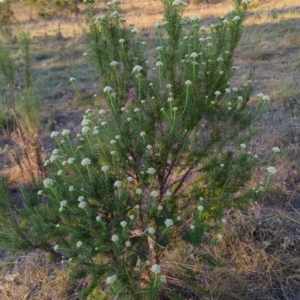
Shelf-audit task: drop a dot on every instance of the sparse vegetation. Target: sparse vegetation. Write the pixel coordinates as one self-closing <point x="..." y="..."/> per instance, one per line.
<point x="6" y="13"/>
<point x="22" y="104"/>
<point x="48" y="9"/>
<point x="260" y="244"/>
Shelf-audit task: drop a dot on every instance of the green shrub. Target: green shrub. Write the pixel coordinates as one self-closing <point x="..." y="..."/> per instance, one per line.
<point x="20" y="105"/>
<point x="155" y="169"/>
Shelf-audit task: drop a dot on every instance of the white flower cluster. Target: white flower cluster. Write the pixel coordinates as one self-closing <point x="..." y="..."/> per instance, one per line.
<point x="236" y="18"/>
<point x="271" y="170"/>
<point x="155" y="269"/>
<point x="82" y="204"/>
<point x="151" y="230"/>
<point x="154" y="194"/>
<point x="111" y="279"/>
<point x="47" y="183"/>
<point x="179" y="3"/>
<point x="71" y="160"/>
<point x="263" y="97"/>
<point x="169" y="222"/>
<point x="65" y="132"/>
<point x="159" y="64"/>
<point x="62" y="204"/>
<point x="137" y="69"/>
<point x="135" y="30"/>
<point x="118" y="184"/>
<point x="104" y="168"/>
<point x="85" y="129"/>
<point x="107" y="89"/>
<point x="115" y="238"/>
<point x="86" y="162"/>
<point x="123" y="223"/>
<point x="110" y="3"/>
<point x="130" y="179"/>
<point x="151" y="171"/>
<point x="53" y="158"/>
<point x="114" y="63"/>
<point x="54" y="134"/>
<point x="200" y="207"/>
<point x="85" y="122"/>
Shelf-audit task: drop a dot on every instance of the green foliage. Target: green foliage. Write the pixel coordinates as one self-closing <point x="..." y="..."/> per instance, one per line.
<point x="161" y="164"/>
<point x="11" y="234"/>
<point x="28" y="104"/>
<point x="7" y="80"/>
<point x="17" y="232"/>
<point x="6" y="118"/>
<point x="27" y="58"/>
<point x="113" y="29"/>
<point x="21" y="103"/>
<point x="7" y="64"/>
<point x="28" y="109"/>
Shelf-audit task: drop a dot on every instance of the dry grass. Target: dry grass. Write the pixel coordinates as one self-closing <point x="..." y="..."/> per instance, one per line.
<point x="261" y="244"/>
<point x="34" y="277"/>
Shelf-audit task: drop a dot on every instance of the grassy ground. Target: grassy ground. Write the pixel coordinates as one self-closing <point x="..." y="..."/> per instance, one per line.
<point x="261" y="244"/>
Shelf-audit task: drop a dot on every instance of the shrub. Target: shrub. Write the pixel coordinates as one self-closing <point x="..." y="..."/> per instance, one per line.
<point x="48" y="9"/>
<point x="7" y="15"/>
<point x="159" y="164"/>
<point x="20" y="105"/>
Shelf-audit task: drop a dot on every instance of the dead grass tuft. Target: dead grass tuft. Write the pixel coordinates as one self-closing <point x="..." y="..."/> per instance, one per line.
<point x="34" y="277"/>
<point x="262" y="249"/>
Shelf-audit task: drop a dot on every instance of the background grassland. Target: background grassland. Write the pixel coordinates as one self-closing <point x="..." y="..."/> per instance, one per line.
<point x="261" y="244"/>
